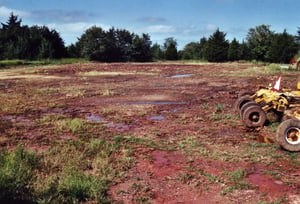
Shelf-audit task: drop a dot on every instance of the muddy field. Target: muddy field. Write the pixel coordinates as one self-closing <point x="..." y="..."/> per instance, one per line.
<point x="184" y="142"/>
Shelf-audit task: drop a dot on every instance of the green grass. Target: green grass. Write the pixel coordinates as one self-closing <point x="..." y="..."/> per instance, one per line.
<point x="235" y="181"/>
<point x="18" y="62"/>
<point x="17" y="174"/>
<point x="68" y="172"/>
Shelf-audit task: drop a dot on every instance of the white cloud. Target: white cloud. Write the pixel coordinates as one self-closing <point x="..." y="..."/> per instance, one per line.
<point x="5" y="12"/>
<point x="160" y="29"/>
<point x="75" y="27"/>
<point x="71" y="31"/>
<point x="211" y="27"/>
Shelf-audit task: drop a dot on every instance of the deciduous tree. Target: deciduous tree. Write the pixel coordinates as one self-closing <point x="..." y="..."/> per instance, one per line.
<point x="259" y="40"/>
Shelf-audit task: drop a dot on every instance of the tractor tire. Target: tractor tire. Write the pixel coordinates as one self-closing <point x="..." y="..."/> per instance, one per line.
<point x="245" y="93"/>
<point x="246" y="105"/>
<point x="288" y="135"/>
<point x="240" y="102"/>
<point x="254" y="117"/>
<point x="274" y="116"/>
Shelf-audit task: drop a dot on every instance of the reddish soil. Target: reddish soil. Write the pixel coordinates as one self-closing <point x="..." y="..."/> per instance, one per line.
<point x="148" y="102"/>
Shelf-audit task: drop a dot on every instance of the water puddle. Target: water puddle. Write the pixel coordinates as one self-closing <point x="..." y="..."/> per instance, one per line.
<point x="157" y="118"/>
<point x="181" y="76"/>
<point x="94" y="118"/>
<point x="155" y="102"/>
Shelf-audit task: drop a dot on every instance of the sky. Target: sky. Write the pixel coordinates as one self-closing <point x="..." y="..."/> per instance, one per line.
<point x="184" y="20"/>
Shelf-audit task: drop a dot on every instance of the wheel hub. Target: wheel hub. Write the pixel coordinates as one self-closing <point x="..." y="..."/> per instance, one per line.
<point x="293" y="136"/>
<point x="254" y="117"/>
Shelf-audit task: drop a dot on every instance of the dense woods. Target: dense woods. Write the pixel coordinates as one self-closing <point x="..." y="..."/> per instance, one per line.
<point x="119" y="45"/>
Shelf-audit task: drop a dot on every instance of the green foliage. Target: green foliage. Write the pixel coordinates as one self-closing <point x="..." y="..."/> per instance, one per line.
<point x="282" y="49"/>
<point x="114" y="45"/>
<point x="217" y="47"/>
<point x="298" y="37"/>
<point x="191" y="51"/>
<point x="19" y="62"/>
<point x="17" y="174"/>
<point x="157" y="52"/>
<point x="23" y="42"/>
<point x="170" y="48"/>
<point x="234" y="51"/>
<point x="259" y="40"/>
<point x="141" y="49"/>
<point x="73" y="186"/>
<point x="236" y="180"/>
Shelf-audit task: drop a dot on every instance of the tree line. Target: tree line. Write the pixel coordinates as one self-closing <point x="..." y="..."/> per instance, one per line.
<point x="261" y="44"/>
<point x="120" y="45"/>
<point x="24" y="42"/>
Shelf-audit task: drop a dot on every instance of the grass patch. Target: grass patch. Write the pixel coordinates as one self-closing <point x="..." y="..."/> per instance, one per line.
<point x="69" y="172"/>
<point x="59" y="124"/>
<point x="73" y="186"/>
<point x="97" y="73"/>
<point x="18" y="62"/>
<point x="17" y="174"/>
<point x="236" y="181"/>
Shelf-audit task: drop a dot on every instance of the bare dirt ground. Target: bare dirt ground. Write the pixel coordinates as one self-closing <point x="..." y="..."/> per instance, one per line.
<point x="200" y="151"/>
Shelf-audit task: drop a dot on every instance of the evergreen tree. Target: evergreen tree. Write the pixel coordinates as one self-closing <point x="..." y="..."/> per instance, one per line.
<point x="217" y="47"/>
<point x="23" y="42"/>
<point x="10" y="37"/>
<point x="298" y="37"/>
<point x="202" y="48"/>
<point x="141" y="48"/>
<point x="234" y="51"/>
<point x="170" y="47"/>
<point x="124" y="44"/>
<point x="157" y="52"/>
<point x="73" y="51"/>
<point x="245" y="52"/>
<point x="282" y="48"/>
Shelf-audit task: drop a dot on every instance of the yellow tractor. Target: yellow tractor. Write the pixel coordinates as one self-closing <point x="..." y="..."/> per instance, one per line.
<point x="266" y="106"/>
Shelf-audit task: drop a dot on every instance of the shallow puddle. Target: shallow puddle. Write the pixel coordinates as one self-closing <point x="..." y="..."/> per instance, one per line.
<point x="155" y="102"/>
<point x="181" y="75"/>
<point x="157" y="117"/>
<point x="94" y="118"/>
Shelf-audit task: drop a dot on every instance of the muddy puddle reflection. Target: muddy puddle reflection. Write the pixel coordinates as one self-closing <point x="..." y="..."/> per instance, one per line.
<point x="181" y="76"/>
<point x="157" y="118"/>
<point x="155" y="103"/>
<point x="94" y="118"/>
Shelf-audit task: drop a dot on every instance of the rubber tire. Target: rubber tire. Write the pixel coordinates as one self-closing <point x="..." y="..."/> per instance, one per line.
<point x="274" y="116"/>
<point x="245" y="93"/>
<point x="246" y="105"/>
<point x="248" y="117"/>
<point x="281" y="132"/>
<point x="240" y="102"/>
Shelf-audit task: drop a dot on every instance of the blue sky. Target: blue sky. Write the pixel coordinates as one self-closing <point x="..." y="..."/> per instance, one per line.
<point x="185" y="20"/>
